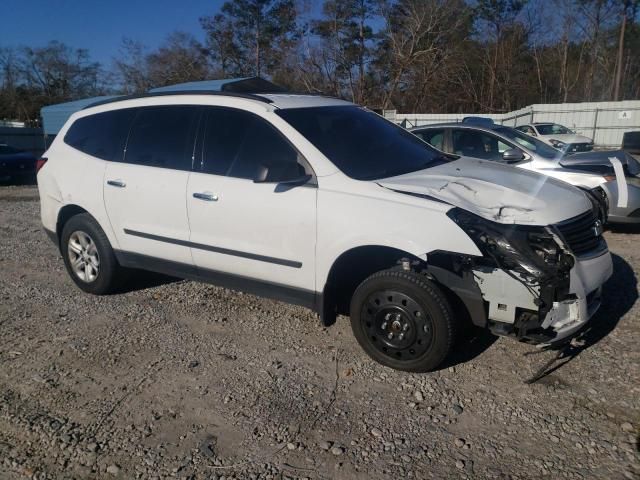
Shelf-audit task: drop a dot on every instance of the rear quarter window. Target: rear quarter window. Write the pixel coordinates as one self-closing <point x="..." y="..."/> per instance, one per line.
<point x="101" y="135"/>
<point x="433" y="137"/>
<point x="163" y="136"/>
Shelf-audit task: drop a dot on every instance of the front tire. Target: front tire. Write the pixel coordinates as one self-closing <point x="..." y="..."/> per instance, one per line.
<point x="403" y="320"/>
<point x="88" y="255"/>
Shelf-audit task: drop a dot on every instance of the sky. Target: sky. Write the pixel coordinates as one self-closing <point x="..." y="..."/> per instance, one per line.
<point x="100" y="25"/>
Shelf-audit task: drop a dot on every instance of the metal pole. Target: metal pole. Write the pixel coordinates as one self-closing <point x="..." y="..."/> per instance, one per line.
<point x="595" y="125"/>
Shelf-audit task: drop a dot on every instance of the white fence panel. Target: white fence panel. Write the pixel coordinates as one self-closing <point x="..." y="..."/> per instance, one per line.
<point x="605" y="122"/>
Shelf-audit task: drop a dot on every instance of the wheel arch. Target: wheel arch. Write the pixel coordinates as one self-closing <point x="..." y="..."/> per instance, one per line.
<point x="354" y="265"/>
<point x="65" y="214"/>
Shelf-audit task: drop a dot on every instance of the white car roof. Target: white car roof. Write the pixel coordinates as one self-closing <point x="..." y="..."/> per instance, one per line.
<point x="289" y="100"/>
<point x="261" y="100"/>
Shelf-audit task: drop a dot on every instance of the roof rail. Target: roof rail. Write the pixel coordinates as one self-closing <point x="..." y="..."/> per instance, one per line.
<point x="248" y="96"/>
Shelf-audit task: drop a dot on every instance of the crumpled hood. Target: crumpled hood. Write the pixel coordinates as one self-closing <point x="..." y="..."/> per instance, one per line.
<point x="569" y="138"/>
<point x="500" y="193"/>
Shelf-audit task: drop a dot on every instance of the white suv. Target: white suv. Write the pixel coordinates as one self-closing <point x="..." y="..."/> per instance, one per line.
<point x="322" y="203"/>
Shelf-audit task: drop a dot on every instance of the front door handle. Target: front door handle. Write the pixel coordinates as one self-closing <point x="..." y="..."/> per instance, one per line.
<point x="209" y="197"/>
<point x="116" y="183"/>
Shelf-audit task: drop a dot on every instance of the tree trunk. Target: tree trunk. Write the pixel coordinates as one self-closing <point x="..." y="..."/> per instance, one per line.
<point x="361" y="55"/>
<point x="616" y="87"/>
<point x="564" y="81"/>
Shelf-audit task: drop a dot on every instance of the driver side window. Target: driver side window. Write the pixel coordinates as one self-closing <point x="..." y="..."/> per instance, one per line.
<point x="238" y="144"/>
<point x="476" y="144"/>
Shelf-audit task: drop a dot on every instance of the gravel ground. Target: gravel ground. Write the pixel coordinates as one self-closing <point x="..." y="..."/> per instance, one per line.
<point x="175" y="379"/>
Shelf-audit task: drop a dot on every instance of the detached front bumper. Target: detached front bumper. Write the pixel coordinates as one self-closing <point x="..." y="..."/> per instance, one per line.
<point x="513" y="307"/>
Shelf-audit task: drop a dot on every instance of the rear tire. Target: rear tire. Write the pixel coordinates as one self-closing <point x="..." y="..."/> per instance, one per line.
<point x="403" y="320"/>
<point x="88" y="255"/>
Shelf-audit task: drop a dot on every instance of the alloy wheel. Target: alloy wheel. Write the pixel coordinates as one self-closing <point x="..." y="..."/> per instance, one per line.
<point x="83" y="256"/>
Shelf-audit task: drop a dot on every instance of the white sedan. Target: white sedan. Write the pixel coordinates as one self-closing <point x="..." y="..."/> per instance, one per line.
<point x="558" y="136"/>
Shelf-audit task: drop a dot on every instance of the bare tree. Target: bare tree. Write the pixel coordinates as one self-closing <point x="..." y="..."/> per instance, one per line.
<point x="179" y="59"/>
<point x="131" y="68"/>
<point x="415" y="36"/>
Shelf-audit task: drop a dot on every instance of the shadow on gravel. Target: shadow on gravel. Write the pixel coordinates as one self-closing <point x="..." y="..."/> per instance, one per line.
<point x="624" y="228"/>
<point x="469" y="347"/>
<point x="619" y="295"/>
<point x="141" y="280"/>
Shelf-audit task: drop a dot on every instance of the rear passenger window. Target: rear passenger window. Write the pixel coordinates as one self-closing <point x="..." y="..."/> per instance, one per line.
<point x="102" y="135"/>
<point x="237" y="143"/>
<point x="477" y="144"/>
<point x="434" y="138"/>
<point x="223" y="136"/>
<point x="163" y="137"/>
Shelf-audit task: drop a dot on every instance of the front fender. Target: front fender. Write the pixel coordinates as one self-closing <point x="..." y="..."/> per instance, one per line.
<point x="416" y="226"/>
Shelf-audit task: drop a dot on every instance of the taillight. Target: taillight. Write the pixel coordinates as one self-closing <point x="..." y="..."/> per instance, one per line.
<point x="40" y="163"/>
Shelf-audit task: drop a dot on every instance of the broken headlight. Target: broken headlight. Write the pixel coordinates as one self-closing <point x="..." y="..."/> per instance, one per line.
<point x="529" y="250"/>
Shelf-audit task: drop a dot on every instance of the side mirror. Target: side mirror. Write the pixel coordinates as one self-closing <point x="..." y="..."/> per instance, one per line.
<point x="261" y="174"/>
<point x="284" y="174"/>
<point x="512" y="155"/>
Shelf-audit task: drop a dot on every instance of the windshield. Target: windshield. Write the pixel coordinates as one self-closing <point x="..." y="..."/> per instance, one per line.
<point x="553" y="129"/>
<point x="361" y="143"/>
<point x="532" y="144"/>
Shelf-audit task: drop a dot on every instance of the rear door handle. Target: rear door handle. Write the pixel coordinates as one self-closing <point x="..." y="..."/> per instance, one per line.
<point x="209" y="197"/>
<point x="116" y="183"/>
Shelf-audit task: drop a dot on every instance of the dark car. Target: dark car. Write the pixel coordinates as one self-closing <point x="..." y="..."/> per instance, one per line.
<point x="631" y="142"/>
<point x="479" y="120"/>
<point x="16" y="165"/>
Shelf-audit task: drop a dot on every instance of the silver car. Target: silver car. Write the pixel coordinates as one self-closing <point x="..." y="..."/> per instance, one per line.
<point x="558" y="136"/>
<point x="613" y="177"/>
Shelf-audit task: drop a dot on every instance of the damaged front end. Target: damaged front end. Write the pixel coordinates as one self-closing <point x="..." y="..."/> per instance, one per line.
<point x="525" y="276"/>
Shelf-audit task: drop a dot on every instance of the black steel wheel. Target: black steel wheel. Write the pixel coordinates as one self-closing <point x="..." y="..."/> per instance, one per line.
<point x="402" y="320"/>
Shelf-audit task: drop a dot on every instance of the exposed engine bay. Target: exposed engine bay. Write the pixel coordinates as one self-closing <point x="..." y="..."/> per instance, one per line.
<point x="523" y="278"/>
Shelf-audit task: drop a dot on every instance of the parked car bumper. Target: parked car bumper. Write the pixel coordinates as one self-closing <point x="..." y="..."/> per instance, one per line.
<point x="628" y="214"/>
<point x="16" y="169"/>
